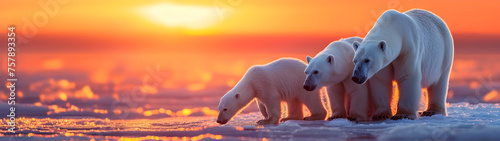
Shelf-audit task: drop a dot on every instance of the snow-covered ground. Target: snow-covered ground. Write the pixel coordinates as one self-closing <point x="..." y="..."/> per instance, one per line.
<point x="464" y="122"/>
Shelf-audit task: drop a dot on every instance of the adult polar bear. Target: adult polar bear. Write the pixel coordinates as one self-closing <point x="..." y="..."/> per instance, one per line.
<point x="333" y="68"/>
<point x="270" y="84"/>
<point x="420" y="47"/>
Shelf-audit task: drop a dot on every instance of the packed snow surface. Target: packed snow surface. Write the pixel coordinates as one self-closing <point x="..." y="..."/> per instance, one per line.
<point x="464" y="122"/>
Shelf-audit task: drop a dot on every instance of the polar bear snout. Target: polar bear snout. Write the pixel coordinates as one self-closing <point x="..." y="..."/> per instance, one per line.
<point x="310" y="83"/>
<point x="221" y="119"/>
<point x="358" y="80"/>
<point x="358" y="77"/>
<point x="309" y="87"/>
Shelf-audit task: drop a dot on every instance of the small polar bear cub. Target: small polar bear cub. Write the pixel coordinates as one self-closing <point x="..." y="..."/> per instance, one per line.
<point x="270" y="84"/>
<point x="419" y="46"/>
<point x="333" y="67"/>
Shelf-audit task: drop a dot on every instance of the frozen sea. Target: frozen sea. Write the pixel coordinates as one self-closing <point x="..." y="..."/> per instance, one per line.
<point x="464" y="122"/>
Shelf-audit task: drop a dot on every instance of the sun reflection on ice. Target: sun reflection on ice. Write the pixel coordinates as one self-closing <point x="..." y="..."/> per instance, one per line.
<point x="92" y="129"/>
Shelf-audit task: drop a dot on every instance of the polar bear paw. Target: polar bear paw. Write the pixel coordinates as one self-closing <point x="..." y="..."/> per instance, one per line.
<point x="357" y="118"/>
<point x="319" y="116"/>
<point x="290" y="118"/>
<point x="403" y="116"/>
<point x="336" y="116"/>
<point x="309" y="118"/>
<point x="428" y="113"/>
<point x="381" y="117"/>
<point x="352" y="118"/>
<point x="266" y="121"/>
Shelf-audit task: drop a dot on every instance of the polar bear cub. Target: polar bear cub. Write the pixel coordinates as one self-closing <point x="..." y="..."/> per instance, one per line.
<point x="419" y="46"/>
<point x="270" y="84"/>
<point x="332" y="68"/>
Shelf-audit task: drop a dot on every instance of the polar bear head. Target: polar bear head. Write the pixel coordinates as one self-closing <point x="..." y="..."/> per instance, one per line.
<point x="319" y="71"/>
<point x="369" y="58"/>
<point x="235" y="100"/>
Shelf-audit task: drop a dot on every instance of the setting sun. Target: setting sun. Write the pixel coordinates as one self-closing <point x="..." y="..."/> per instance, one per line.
<point x="177" y="15"/>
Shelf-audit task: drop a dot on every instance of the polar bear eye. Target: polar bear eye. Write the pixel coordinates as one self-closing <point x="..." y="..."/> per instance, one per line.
<point x="366" y="60"/>
<point x="315" y="72"/>
<point x="224" y="110"/>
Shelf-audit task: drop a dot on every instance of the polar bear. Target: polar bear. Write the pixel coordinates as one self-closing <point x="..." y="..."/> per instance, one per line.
<point x="270" y="84"/>
<point x="332" y="68"/>
<point x="419" y="46"/>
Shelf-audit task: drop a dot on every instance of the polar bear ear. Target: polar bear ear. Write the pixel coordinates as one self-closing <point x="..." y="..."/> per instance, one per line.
<point x="308" y="58"/>
<point x="355" y="44"/>
<point x="237" y="96"/>
<point x="330" y="59"/>
<point x="382" y="45"/>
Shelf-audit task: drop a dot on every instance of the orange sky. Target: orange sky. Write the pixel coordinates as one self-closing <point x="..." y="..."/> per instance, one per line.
<point x="207" y="45"/>
<point x="128" y="18"/>
<point x="163" y="26"/>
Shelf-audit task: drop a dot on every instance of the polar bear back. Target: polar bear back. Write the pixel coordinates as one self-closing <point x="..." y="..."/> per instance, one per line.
<point x="343" y="47"/>
<point x="421" y="35"/>
<point x="435" y="44"/>
<point x="286" y="75"/>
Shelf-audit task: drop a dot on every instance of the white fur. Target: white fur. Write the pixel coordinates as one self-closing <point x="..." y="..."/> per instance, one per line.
<point x="270" y="84"/>
<point x="420" y="47"/>
<point x="336" y="76"/>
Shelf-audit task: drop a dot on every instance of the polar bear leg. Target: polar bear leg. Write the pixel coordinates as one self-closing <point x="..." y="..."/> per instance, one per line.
<point x="273" y="108"/>
<point x="381" y="94"/>
<point x="359" y="103"/>
<point x="336" y="94"/>
<point x="409" y="96"/>
<point x="315" y="106"/>
<point x="437" y="97"/>
<point x="262" y="108"/>
<point x="294" y="108"/>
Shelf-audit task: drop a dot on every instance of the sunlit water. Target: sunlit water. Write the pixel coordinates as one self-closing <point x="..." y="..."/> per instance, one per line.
<point x="465" y="121"/>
